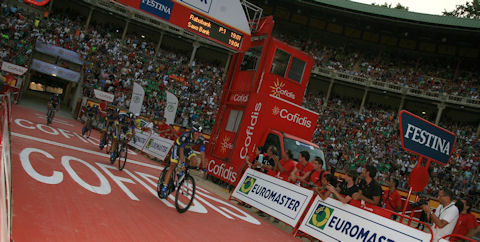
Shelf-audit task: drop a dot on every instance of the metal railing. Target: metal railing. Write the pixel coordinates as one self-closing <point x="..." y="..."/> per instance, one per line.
<point x="397" y="88"/>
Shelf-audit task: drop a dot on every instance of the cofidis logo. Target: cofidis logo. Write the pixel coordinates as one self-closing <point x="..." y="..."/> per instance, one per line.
<point x="320" y="217"/>
<point x="247" y="185"/>
<point x="278" y="90"/>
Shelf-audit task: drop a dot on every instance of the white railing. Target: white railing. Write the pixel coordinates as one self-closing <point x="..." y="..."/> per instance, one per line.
<point x="5" y="170"/>
<point x="397" y="88"/>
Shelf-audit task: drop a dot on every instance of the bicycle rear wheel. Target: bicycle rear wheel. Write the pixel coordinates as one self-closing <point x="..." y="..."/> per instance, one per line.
<point x="160" y="182"/>
<point x="122" y="155"/>
<point x="185" y="194"/>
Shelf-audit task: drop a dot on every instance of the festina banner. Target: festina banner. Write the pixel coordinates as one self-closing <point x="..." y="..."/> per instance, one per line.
<point x="12" y="68"/>
<point x="137" y="99"/>
<point x="332" y="220"/>
<point x="280" y="199"/>
<point x="53" y="50"/>
<point x="426" y="139"/>
<point x="53" y="70"/>
<point x="105" y="96"/>
<point x="171" y="108"/>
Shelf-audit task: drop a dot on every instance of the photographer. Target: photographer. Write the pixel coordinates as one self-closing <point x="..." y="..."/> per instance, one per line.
<point x="445" y="216"/>
<point x="347" y="188"/>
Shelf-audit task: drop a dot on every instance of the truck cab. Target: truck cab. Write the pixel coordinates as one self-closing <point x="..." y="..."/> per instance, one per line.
<point x="284" y="141"/>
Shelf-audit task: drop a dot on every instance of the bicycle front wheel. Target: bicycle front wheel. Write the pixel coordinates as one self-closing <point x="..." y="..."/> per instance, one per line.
<point x="185" y="194"/>
<point x="160" y="181"/>
<point x="122" y="156"/>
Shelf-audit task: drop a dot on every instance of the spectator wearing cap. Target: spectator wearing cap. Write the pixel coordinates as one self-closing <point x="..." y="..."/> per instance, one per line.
<point x="370" y="190"/>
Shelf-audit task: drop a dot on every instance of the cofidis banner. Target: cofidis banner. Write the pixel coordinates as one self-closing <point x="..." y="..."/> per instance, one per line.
<point x="331" y="220"/>
<point x="426" y="139"/>
<point x="276" y="197"/>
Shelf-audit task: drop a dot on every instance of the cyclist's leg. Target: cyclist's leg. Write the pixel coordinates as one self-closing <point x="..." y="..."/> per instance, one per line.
<point x="173" y="163"/>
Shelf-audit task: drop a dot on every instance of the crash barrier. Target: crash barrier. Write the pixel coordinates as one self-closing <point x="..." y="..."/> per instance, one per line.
<point x="5" y="168"/>
<point x="326" y="220"/>
<point x="151" y="144"/>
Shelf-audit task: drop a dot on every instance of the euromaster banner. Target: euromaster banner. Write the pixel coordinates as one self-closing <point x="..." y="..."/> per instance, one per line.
<point x="278" y="198"/>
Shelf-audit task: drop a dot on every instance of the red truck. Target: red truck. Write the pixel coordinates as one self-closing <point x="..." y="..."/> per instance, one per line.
<point x="261" y="105"/>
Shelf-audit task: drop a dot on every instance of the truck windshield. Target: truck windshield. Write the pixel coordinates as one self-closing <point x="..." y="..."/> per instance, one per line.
<point x="296" y="147"/>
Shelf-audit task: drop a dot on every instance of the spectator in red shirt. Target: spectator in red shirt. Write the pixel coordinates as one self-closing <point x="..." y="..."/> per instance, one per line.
<point x="391" y="198"/>
<point x="467" y="224"/>
<point x="285" y="166"/>
<point x="303" y="168"/>
<point x="317" y="173"/>
<point x="165" y="130"/>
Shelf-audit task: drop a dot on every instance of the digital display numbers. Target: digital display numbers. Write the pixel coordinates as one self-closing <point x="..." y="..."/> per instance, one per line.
<point x="214" y="30"/>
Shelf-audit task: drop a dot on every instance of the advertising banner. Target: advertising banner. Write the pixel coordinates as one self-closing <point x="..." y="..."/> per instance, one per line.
<point x="280" y="199"/>
<point x="137" y="99"/>
<point x="37" y="2"/>
<point x="158" y="146"/>
<point x="12" y="68"/>
<point x="426" y="139"/>
<point x="159" y="8"/>
<point x="332" y="220"/>
<point x="170" y="108"/>
<point x="103" y="95"/>
<point x="53" y="50"/>
<point x="53" y="70"/>
<point x="141" y="138"/>
<point x="151" y="144"/>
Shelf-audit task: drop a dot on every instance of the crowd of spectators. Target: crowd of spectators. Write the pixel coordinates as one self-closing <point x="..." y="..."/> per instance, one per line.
<point x="438" y="74"/>
<point x="349" y="138"/>
<point x="353" y="139"/>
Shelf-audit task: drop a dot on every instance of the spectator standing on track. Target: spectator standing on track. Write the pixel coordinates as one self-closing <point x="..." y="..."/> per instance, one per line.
<point x="467" y="224"/>
<point x="303" y="169"/>
<point x="347" y="188"/>
<point x="391" y="198"/>
<point x="445" y="216"/>
<point x="370" y="190"/>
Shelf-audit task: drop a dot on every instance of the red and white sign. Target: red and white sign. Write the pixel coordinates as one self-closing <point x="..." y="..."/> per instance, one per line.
<point x="12" y="68"/>
<point x="103" y="95"/>
<point x="240" y="98"/>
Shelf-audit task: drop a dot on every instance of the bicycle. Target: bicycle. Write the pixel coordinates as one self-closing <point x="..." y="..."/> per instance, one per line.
<point x="183" y="183"/>
<point x="121" y="152"/>
<point x="87" y="129"/>
<point x="50" y="113"/>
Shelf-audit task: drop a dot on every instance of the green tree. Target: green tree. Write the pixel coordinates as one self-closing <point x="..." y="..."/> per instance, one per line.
<point x="470" y="10"/>
<point x="386" y="5"/>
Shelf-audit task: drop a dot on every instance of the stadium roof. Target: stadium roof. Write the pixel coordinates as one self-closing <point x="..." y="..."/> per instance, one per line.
<point x="402" y="14"/>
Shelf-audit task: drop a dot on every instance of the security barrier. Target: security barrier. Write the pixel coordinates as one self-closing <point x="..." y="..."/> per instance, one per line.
<point x="5" y="169"/>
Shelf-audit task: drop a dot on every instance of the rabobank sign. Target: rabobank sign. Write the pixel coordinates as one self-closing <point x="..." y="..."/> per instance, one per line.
<point x="276" y="197"/>
<point x="331" y="220"/>
<point x="160" y="8"/>
<point x="426" y="139"/>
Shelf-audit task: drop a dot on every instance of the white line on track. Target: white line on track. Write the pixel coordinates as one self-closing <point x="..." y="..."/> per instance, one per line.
<point x="59" y="121"/>
<point x="81" y="149"/>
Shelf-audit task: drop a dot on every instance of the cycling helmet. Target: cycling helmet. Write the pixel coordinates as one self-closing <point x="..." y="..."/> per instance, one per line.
<point x="197" y="128"/>
<point x="117" y="110"/>
<point x="130" y="115"/>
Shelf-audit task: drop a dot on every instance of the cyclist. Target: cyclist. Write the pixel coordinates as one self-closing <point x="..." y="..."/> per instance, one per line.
<point x="126" y="125"/>
<point x="90" y="113"/>
<point x="183" y="149"/>
<point x="112" y="116"/>
<point x="53" y="105"/>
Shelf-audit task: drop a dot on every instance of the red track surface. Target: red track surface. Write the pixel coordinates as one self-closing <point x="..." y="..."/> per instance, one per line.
<point x="64" y="189"/>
